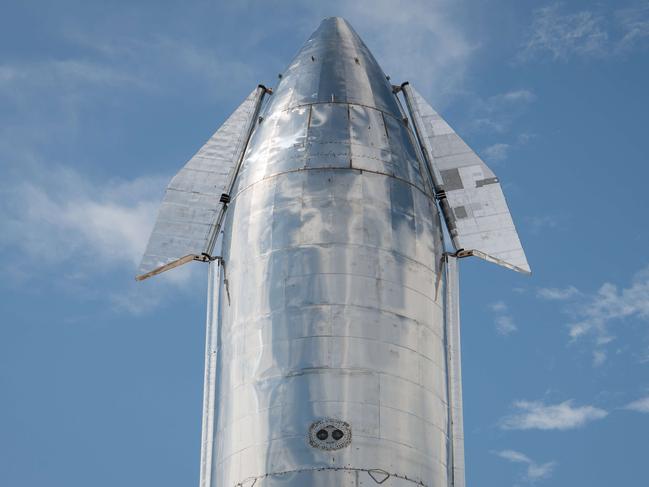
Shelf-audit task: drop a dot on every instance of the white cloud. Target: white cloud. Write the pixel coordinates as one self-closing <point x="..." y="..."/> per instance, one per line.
<point x="535" y="471"/>
<point x="537" y="224"/>
<point x="644" y="356"/>
<point x="515" y="96"/>
<point x="639" y="405"/>
<point x="504" y="322"/>
<point x="610" y="304"/>
<point x="433" y="50"/>
<point x="165" y="63"/>
<point x="557" y="294"/>
<point x="496" y="152"/>
<point x="594" y="315"/>
<point x="634" y="22"/>
<point x="586" y="34"/>
<point x="599" y="357"/>
<point x="434" y="46"/>
<point x="497" y="113"/>
<point x="563" y="35"/>
<point x="56" y="221"/>
<point x="64" y="217"/>
<point x="65" y="74"/>
<point x="59" y="99"/>
<point x="514" y="456"/>
<point x="505" y="325"/>
<point x="542" y="471"/>
<point x="562" y="416"/>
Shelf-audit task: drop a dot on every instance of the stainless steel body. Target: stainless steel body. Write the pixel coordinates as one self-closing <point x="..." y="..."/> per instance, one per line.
<point x="333" y="328"/>
<point x="332" y="249"/>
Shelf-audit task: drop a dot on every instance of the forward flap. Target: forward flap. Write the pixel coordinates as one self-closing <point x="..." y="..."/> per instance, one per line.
<point x="470" y="194"/>
<point x="189" y="214"/>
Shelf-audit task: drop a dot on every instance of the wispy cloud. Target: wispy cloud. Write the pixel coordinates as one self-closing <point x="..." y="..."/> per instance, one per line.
<point x="158" y="64"/>
<point x="63" y="217"/>
<point x="515" y="96"/>
<point x="66" y="220"/>
<point x="639" y="405"/>
<point x="437" y="47"/>
<point x="595" y="314"/>
<point x="497" y="152"/>
<point x="634" y="22"/>
<point x="610" y="304"/>
<point x="58" y="99"/>
<point x="503" y="320"/>
<point x="65" y="74"/>
<point x="538" y="224"/>
<point x="599" y="357"/>
<point x="56" y="221"/>
<point x="562" y="416"/>
<point x="557" y="294"/>
<point x="505" y="325"/>
<point x="497" y="113"/>
<point x="562" y="35"/>
<point x="535" y="471"/>
<point x="501" y="151"/>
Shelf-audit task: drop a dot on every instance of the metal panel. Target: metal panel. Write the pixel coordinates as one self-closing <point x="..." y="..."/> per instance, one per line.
<point x="190" y="209"/>
<point x="470" y="195"/>
<point x="328" y="139"/>
<point x="321" y="315"/>
<point x="454" y="367"/>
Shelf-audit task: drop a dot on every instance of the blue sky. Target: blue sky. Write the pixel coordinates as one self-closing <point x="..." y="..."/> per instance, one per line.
<point x="100" y="104"/>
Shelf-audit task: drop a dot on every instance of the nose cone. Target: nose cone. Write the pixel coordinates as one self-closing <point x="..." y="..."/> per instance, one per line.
<point x="335" y="65"/>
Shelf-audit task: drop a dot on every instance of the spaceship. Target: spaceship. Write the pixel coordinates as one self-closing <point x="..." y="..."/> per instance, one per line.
<point x="332" y="211"/>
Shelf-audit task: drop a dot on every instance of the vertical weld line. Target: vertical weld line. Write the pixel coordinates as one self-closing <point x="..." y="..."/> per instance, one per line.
<point x="306" y="140"/>
<point x="447" y="380"/>
<point x="379" y="379"/>
<point x="349" y="133"/>
<point x="308" y="123"/>
<point x="385" y="128"/>
<point x="209" y="384"/>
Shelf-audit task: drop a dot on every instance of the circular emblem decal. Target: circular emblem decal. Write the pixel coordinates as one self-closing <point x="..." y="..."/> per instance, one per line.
<point x="330" y="434"/>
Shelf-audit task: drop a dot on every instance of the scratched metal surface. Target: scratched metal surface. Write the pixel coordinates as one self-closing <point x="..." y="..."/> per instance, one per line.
<point x="332" y="254"/>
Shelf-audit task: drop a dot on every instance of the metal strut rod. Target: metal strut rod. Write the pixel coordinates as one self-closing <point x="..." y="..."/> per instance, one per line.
<point x="433" y="171"/>
<point x="225" y="197"/>
<point x="212" y="326"/>
<point x="456" y="474"/>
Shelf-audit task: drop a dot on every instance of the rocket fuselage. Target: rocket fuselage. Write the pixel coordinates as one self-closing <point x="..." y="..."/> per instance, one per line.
<point x="331" y="364"/>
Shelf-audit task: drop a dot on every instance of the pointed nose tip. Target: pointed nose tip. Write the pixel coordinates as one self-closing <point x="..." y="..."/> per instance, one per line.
<point x="334" y="65"/>
<point x="334" y="20"/>
<point x="332" y="26"/>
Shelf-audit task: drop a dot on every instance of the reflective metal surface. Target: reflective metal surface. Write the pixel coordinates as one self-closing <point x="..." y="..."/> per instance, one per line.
<point x="209" y="385"/>
<point x="333" y="334"/>
<point x="332" y="251"/>
<point x="454" y="367"/>
<point x="475" y="208"/>
<point x="191" y="206"/>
